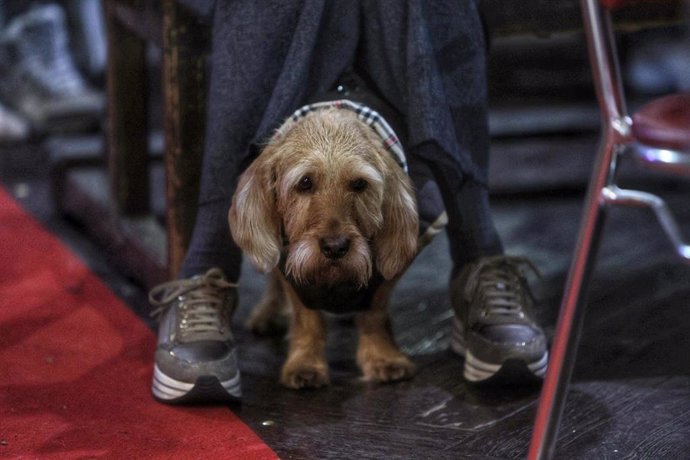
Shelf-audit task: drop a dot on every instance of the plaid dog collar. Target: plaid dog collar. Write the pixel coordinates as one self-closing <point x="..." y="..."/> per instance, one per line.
<point x="367" y="115"/>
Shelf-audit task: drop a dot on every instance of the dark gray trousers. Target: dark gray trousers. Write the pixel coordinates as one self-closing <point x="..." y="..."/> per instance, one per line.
<point x="425" y="58"/>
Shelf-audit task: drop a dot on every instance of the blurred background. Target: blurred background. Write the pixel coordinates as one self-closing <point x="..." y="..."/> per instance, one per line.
<point x="98" y="99"/>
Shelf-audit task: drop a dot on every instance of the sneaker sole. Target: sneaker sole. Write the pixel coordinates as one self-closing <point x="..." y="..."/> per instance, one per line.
<point x="207" y="388"/>
<point x="476" y="370"/>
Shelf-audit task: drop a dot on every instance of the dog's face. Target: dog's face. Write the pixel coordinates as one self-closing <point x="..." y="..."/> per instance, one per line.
<point x="325" y="195"/>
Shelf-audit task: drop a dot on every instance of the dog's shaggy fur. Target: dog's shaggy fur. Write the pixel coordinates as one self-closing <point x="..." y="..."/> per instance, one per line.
<point x="325" y="208"/>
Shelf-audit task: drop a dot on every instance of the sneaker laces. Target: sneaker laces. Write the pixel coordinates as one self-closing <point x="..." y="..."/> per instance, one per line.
<point x="200" y="301"/>
<point x="500" y="281"/>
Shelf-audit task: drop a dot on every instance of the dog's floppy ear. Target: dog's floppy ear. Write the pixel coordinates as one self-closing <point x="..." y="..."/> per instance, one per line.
<point x="396" y="242"/>
<point x="254" y="223"/>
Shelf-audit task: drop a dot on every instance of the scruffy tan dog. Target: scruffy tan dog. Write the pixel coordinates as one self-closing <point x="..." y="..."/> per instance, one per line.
<point x="330" y="214"/>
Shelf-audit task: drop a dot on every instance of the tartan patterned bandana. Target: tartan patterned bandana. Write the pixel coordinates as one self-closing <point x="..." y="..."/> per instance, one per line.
<point x="365" y="114"/>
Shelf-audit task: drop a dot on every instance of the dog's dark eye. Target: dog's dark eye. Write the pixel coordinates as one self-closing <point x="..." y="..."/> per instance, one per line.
<point x="359" y="185"/>
<point x="305" y="184"/>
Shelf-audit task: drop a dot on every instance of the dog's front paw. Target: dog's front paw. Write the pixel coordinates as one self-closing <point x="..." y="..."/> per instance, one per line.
<point x="387" y="368"/>
<point x="304" y="373"/>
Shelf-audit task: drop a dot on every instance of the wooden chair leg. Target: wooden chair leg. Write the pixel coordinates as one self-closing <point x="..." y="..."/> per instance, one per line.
<point x="127" y="118"/>
<point x="185" y="44"/>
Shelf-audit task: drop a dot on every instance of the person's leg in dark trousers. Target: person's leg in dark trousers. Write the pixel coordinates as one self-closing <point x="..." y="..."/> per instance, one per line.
<point x="428" y="60"/>
<point x="267" y="58"/>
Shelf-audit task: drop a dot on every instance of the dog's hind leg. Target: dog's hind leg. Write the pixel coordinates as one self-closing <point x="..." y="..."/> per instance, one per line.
<point x="378" y="355"/>
<point x="271" y="315"/>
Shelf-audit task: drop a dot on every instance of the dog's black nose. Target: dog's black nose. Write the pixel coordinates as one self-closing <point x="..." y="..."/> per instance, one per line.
<point x="334" y="247"/>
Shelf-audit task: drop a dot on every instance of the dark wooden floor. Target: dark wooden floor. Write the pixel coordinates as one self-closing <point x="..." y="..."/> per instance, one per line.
<point x="630" y="397"/>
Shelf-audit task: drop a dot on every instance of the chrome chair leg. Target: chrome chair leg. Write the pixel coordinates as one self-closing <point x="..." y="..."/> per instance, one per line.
<point x="569" y="325"/>
<point x="602" y="192"/>
<point x="635" y="198"/>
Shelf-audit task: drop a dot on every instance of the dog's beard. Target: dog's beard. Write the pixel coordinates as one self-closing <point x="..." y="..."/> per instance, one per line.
<point x="306" y="265"/>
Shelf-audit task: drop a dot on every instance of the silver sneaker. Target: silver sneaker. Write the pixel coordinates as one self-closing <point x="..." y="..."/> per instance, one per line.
<point x="39" y="77"/>
<point x="196" y="358"/>
<point x="494" y="321"/>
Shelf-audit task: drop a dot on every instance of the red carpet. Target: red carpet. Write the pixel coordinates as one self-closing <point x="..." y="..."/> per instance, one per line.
<point x="75" y="366"/>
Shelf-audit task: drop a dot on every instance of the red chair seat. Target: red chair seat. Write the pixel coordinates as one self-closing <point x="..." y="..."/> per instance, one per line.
<point x="616" y="4"/>
<point x="664" y="122"/>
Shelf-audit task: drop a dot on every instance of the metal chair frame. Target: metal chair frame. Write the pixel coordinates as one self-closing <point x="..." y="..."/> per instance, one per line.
<point x="617" y="139"/>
